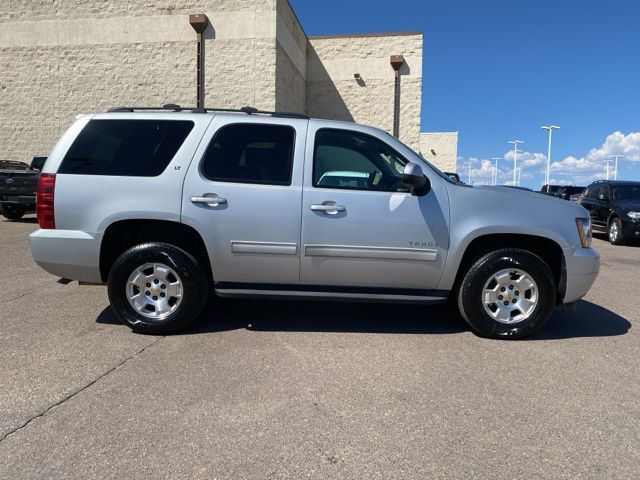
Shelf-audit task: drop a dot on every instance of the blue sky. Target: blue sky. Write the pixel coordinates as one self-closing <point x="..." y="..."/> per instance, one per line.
<point x="496" y="70"/>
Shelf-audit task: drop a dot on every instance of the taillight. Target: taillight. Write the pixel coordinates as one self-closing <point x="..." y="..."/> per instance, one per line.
<point x="44" y="200"/>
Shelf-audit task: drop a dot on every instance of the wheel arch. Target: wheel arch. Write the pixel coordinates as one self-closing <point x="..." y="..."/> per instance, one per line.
<point x="124" y="234"/>
<point x="547" y="249"/>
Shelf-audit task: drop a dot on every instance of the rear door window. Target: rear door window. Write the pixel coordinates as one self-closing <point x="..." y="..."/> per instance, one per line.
<point x="135" y="148"/>
<point x="251" y="153"/>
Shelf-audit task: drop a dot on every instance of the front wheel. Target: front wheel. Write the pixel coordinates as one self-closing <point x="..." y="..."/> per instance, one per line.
<point x="157" y="288"/>
<point x="615" y="232"/>
<point x="508" y="293"/>
<point x="12" y="212"/>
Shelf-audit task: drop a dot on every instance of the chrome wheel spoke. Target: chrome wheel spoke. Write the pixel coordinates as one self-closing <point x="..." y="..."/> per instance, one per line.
<point x="154" y="290"/>
<point x="174" y="290"/>
<point x="510" y="296"/>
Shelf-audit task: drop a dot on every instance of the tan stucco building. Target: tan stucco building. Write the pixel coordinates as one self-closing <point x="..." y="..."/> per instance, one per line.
<point x="60" y="58"/>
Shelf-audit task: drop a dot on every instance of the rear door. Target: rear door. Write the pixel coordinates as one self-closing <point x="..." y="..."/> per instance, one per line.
<point x="243" y="193"/>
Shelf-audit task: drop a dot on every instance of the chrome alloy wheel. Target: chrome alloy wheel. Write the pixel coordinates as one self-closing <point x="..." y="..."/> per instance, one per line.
<point x="510" y="296"/>
<point x="613" y="231"/>
<point x="154" y="290"/>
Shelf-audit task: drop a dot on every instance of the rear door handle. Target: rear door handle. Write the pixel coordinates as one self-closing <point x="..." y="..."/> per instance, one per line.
<point x="210" y="199"/>
<point x="328" y="207"/>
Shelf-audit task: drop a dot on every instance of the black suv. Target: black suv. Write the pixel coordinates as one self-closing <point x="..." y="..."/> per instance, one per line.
<point x="614" y="207"/>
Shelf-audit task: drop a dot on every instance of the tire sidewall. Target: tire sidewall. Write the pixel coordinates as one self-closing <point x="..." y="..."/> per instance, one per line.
<point x="471" y="293"/>
<point x="193" y="280"/>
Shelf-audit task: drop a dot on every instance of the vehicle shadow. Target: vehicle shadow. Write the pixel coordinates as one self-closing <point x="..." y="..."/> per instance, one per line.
<point x="590" y="320"/>
<point x="22" y="220"/>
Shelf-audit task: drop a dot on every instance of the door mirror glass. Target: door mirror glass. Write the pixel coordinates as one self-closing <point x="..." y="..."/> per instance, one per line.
<point x="415" y="180"/>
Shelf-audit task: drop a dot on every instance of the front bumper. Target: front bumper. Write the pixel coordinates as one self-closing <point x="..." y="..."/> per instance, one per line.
<point x="67" y="253"/>
<point x="583" y="265"/>
<point x="630" y="230"/>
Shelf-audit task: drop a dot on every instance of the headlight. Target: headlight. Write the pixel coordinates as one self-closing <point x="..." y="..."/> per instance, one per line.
<point x="634" y="215"/>
<point x="584" y="230"/>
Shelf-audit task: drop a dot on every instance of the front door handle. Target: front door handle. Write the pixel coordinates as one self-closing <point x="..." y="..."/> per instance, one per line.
<point x="328" y="207"/>
<point x="210" y="199"/>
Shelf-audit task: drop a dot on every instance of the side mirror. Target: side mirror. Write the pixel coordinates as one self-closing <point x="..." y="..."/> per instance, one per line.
<point x="417" y="181"/>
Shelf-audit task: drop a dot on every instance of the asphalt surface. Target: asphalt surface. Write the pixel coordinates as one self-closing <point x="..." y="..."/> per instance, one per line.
<point x="313" y="390"/>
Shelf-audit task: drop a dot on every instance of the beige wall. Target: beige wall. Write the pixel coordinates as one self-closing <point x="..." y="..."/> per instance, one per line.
<point x="291" y="61"/>
<point x="333" y="92"/>
<point x="58" y="59"/>
<point x="61" y="58"/>
<point x="441" y="149"/>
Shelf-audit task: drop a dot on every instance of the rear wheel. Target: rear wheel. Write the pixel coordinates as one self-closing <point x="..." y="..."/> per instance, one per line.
<point x="12" y="212"/>
<point x="615" y="232"/>
<point x="157" y="288"/>
<point x="508" y="293"/>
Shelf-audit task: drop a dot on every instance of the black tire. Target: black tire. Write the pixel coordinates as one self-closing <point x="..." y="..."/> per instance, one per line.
<point x="615" y="238"/>
<point x="470" y="293"/>
<point x="195" y="287"/>
<point x="12" y="212"/>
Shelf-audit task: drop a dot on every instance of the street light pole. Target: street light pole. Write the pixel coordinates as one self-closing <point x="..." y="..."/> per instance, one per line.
<point x="515" y="157"/>
<point x="615" y="172"/>
<point x="608" y="160"/>
<point x="495" y="170"/>
<point x="549" y="129"/>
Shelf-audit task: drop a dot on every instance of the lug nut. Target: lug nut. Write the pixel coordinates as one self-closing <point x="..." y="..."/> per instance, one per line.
<point x="156" y="281"/>
<point x="510" y="287"/>
<point x="503" y="289"/>
<point x="506" y="304"/>
<point x="162" y="294"/>
<point x="500" y="297"/>
<point x="163" y="286"/>
<point x="517" y="292"/>
<point x="513" y="301"/>
<point x="147" y="293"/>
<point x="148" y="285"/>
<point x="155" y="298"/>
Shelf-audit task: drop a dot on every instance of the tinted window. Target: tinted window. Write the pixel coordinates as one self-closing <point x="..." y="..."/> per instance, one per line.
<point x="247" y="153"/>
<point x="353" y="160"/>
<point x="572" y="190"/>
<point x="38" y="162"/>
<point x="592" y="192"/>
<point x="626" y="192"/>
<point x="136" y="148"/>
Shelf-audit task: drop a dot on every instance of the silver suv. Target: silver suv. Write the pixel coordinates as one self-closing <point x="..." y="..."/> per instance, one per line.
<point x="168" y="205"/>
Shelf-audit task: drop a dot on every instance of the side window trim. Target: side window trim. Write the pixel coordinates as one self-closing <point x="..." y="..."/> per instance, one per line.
<point x="353" y="132"/>
<point x="203" y="159"/>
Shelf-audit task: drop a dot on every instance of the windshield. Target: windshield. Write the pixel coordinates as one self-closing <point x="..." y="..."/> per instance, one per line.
<point x="626" y="192"/>
<point x="435" y="169"/>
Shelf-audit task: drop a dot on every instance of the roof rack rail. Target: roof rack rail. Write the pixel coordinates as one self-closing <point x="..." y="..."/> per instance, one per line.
<point x="177" y="108"/>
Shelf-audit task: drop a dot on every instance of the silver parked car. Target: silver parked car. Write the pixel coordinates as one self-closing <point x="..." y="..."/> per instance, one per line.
<point x="169" y="205"/>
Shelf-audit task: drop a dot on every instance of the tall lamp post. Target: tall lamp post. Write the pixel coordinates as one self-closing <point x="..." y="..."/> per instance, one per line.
<point x="495" y="170"/>
<point x="515" y="144"/>
<point x="615" y="172"/>
<point x="549" y="129"/>
<point x="607" y="160"/>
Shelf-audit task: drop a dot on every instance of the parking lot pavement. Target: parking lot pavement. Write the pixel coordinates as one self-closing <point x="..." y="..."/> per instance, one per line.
<point x="313" y="390"/>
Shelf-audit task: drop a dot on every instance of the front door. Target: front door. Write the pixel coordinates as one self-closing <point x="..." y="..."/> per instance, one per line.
<point x="360" y="226"/>
<point x="243" y="194"/>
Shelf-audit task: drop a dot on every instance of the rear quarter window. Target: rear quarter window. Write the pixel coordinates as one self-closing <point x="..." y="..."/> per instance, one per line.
<point x="136" y="148"/>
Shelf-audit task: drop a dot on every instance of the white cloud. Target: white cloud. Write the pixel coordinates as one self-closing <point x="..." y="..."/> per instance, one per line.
<point x="593" y="165"/>
<point x="570" y="170"/>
